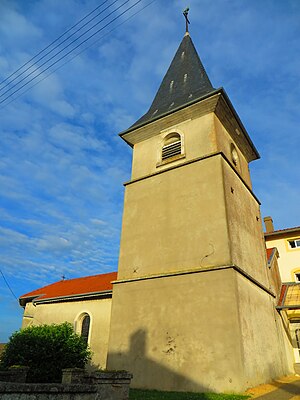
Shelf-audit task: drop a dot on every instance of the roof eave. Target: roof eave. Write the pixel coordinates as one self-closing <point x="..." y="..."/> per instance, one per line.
<point x="39" y="300"/>
<point x="221" y="91"/>
<point x="282" y="232"/>
<point x="134" y="127"/>
<point x="27" y="299"/>
<point x="292" y="307"/>
<point x="240" y="122"/>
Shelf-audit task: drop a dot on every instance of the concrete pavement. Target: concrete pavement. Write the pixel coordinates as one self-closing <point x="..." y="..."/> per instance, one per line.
<point x="289" y="390"/>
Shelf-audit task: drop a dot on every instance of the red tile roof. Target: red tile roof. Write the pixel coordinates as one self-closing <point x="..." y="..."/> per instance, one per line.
<point x="72" y="287"/>
<point x="270" y="253"/>
<point x="282" y="294"/>
<point x="290" y="296"/>
<point x="286" y="230"/>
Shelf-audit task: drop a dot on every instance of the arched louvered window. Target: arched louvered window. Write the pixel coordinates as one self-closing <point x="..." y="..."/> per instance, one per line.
<point x="172" y="146"/>
<point x="85" y="327"/>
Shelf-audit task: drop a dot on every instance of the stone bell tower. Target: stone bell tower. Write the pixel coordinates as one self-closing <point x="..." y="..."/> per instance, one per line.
<point x="192" y="308"/>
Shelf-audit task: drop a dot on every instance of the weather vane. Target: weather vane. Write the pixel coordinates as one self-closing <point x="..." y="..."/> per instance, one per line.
<point x="187" y="22"/>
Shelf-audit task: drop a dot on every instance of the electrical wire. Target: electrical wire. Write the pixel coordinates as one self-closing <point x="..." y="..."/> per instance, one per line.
<point x="69" y="52"/>
<point x="49" y="52"/>
<point x="64" y="48"/>
<point x="54" y="41"/>
<point x="7" y="284"/>
<point x="76" y="55"/>
<point x="80" y="52"/>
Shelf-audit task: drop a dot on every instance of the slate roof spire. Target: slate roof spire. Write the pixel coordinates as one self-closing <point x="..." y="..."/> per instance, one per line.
<point x="185" y="81"/>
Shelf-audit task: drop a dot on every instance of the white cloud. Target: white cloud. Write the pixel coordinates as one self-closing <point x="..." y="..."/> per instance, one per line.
<point x="62" y="164"/>
<point x="15" y="26"/>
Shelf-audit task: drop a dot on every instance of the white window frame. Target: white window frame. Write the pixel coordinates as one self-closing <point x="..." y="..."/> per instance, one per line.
<point x="296" y="243"/>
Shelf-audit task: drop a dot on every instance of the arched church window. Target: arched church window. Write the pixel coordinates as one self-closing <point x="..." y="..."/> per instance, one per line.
<point x="85" y="327"/>
<point x="172" y="146"/>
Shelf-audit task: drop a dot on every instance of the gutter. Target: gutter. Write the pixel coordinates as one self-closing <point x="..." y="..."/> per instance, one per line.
<point x="282" y="232"/>
<point x="73" y="297"/>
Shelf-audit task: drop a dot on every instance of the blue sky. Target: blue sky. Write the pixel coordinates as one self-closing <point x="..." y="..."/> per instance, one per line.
<point x="62" y="163"/>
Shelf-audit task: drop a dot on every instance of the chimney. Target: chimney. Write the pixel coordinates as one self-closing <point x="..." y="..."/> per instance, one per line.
<point x="269" y="224"/>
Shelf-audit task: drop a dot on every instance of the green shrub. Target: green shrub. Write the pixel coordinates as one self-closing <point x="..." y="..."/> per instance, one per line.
<point x="139" y="394"/>
<point x="46" y="350"/>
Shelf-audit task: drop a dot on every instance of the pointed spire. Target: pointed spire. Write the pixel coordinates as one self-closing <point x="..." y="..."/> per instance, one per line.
<point x="185" y="81"/>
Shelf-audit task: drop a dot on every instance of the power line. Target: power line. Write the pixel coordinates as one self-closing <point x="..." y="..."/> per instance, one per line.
<point x="80" y="52"/>
<point x="60" y="51"/>
<point x="69" y="52"/>
<point x="7" y="284"/>
<point x="54" y="41"/>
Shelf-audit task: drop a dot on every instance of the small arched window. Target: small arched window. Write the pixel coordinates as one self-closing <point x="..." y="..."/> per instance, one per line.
<point x="85" y="327"/>
<point x="172" y="146"/>
<point x="234" y="156"/>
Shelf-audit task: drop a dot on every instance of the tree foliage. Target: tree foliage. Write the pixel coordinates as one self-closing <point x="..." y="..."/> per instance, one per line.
<point x="46" y="350"/>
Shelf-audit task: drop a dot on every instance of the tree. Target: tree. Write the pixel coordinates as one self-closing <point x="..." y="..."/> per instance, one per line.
<point x="46" y="350"/>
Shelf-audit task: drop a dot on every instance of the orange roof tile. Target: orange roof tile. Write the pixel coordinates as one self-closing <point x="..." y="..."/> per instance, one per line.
<point x="73" y="287"/>
<point x="282" y="294"/>
<point x="282" y="231"/>
<point x="290" y="296"/>
<point x="270" y="253"/>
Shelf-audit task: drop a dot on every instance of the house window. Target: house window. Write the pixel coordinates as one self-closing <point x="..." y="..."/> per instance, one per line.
<point x="85" y="327"/>
<point x="297" y="276"/>
<point x="294" y="243"/>
<point x="172" y="146"/>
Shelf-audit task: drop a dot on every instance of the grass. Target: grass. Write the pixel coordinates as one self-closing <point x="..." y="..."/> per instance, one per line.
<point x="138" y="394"/>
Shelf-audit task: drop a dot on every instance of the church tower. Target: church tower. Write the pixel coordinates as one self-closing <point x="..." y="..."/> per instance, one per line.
<point x="193" y="309"/>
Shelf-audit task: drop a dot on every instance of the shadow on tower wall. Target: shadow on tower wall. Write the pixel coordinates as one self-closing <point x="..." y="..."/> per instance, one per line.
<point x="148" y="373"/>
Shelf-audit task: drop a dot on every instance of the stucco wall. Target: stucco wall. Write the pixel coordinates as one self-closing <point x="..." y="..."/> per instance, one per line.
<point x="178" y="333"/>
<point x="201" y="136"/>
<point x="245" y="227"/>
<point x="224" y="142"/>
<point x="207" y="331"/>
<point x="198" y="140"/>
<point x="266" y="350"/>
<point x="98" y="309"/>
<point x="175" y="221"/>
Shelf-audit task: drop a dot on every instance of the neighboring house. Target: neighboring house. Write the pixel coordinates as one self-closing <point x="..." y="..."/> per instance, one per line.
<point x="84" y="302"/>
<point x="194" y="303"/>
<point x="287" y="244"/>
<point x="289" y="303"/>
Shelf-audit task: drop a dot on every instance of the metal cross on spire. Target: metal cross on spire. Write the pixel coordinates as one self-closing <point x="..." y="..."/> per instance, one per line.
<point x="187" y="22"/>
